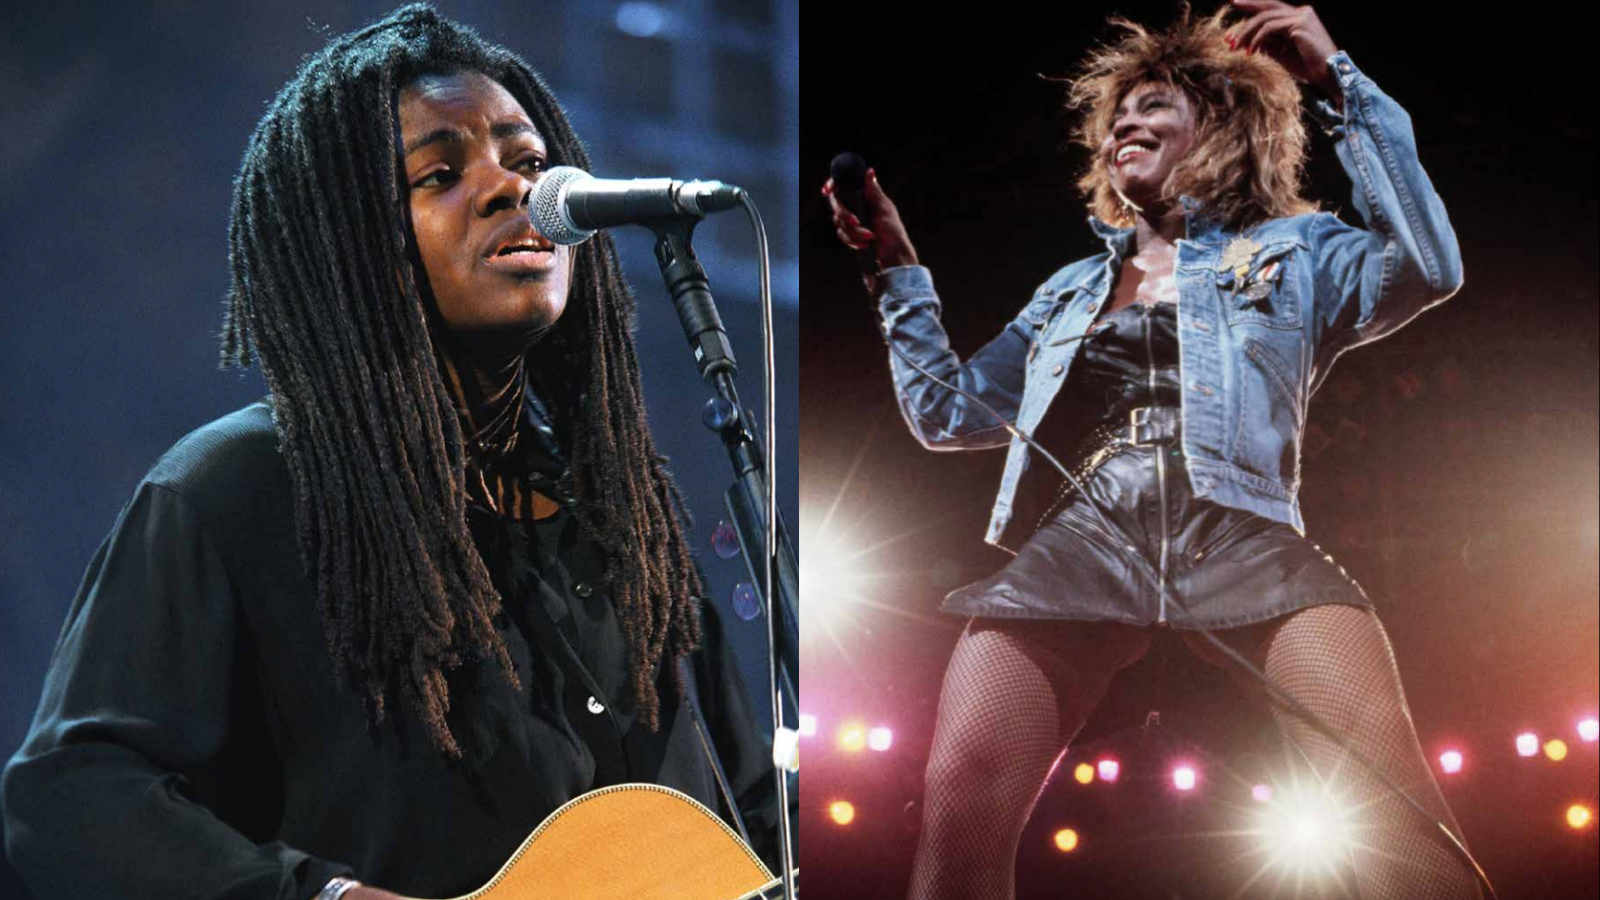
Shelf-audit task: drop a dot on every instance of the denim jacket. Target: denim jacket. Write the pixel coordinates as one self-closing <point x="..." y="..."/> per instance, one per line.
<point x="1249" y="366"/>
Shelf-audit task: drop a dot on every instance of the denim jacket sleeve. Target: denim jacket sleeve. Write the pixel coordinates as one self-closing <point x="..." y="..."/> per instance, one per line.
<point x="940" y="418"/>
<point x="1372" y="280"/>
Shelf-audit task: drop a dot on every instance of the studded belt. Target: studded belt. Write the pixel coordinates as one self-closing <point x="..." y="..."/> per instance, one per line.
<point x="1146" y="425"/>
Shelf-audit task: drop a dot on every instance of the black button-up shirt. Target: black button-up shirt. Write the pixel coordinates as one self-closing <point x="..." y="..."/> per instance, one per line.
<point x="192" y="741"/>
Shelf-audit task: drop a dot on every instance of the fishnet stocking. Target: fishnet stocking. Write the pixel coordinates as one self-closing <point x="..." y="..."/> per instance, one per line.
<point x="1336" y="660"/>
<point x="1011" y="701"/>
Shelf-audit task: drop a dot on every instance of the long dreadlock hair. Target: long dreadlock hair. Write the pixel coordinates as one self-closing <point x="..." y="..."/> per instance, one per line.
<point x="1249" y="155"/>
<point x="326" y="292"/>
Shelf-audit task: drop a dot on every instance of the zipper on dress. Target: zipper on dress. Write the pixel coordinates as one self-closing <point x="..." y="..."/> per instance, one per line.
<point x="1161" y="470"/>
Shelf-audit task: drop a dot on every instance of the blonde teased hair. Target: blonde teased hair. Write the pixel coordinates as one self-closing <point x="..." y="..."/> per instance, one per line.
<point x="1247" y="163"/>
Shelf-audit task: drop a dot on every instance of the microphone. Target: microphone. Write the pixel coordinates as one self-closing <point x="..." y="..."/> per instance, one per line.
<point x="570" y="205"/>
<point x="849" y="173"/>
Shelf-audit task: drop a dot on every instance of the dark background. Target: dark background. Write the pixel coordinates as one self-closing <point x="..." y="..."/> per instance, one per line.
<point x="121" y="126"/>
<point x="1451" y="468"/>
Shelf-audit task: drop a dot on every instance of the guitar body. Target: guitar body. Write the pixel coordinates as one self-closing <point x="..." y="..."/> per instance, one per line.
<point x="631" y="842"/>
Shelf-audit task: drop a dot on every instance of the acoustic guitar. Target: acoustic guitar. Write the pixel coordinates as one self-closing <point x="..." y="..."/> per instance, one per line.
<point x="632" y="842"/>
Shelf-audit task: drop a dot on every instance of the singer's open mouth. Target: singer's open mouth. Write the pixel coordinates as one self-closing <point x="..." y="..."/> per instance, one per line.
<point x="523" y="261"/>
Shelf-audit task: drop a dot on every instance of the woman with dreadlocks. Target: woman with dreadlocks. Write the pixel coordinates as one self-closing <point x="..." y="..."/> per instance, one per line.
<point x="381" y="624"/>
<point x="1170" y="375"/>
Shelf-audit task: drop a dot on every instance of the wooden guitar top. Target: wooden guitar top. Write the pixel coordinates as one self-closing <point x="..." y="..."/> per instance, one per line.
<point x="631" y="842"/>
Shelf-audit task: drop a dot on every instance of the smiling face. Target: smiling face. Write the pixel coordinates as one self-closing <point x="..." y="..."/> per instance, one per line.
<point x="1152" y="130"/>
<point x="472" y="156"/>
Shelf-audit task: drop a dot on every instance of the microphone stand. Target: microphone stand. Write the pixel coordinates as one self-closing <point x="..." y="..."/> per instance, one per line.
<point x="690" y="290"/>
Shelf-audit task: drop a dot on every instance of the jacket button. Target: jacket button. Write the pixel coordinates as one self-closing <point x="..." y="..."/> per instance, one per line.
<point x="582" y="589"/>
<point x="1344" y="67"/>
<point x="596" y="707"/>
<point x="1058" y="369"/>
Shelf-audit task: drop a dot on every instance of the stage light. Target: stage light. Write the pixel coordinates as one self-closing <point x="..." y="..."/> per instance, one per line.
<point x="641" y="19"/>
<point x="834" y="578"/>
<point x="1450" y="761"/>
<point x="808" y="725"/>
<point x="1527" y="744"/>
<point x="879" y="739"/>
<point x="1083" y="774"/>
<point x="1066" y="840"/>
<point x="1108" y="769"/>
<point x="1589" y="729"/>
<point x="1304" y="832"/>
<point x="1185" y="777"/>
<point x="852" y="737"/>
<point x="1579" y="816"/>
<point x="841" y="812"/>
<point x="1556" y="749"/>
<point x="1261" y="793"/>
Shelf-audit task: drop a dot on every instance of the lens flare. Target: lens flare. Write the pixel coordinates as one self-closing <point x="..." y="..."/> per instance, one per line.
<point x="1083" y="774"/>
<point x="1556" y="749"/>
<point x="1589" y="729"/>
<point x="1579" y="816"/>
<point x="842" y="812"/>
<point x="808" y="725"/>
<point x="1304" y="832"/>
<point x="1527" y="744"/>
<point x="1108" y="769"/>
<point x="1450" y="761"/>
<point x="1066" y="840"/>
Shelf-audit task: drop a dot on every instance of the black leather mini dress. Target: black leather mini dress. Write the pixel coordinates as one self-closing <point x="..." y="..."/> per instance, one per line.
<point x="1154" y="553"/>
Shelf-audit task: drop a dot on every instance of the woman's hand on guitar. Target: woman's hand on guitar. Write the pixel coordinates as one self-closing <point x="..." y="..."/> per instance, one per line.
<point x="884" y="233"/>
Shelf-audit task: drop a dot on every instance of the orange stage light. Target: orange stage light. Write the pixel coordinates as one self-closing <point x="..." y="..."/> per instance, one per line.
<point x="1579" y="816"/>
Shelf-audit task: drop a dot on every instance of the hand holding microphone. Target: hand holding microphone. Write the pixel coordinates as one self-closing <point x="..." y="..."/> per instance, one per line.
<point x="854" y="195"/>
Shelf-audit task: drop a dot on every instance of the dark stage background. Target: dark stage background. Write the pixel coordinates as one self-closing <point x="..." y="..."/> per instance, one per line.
<point x="123" y="125"/>
<point x="1450" y="468"/>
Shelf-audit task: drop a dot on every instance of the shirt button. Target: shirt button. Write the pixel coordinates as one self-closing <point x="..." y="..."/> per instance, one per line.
<point x="1094" y="306"/>
<point x="1058" y="369"/>
<point x="1344" y="67"/>
<point x="1048" y="291"/>
<point x="582" y="589"/>
<point x="596" y="707"/>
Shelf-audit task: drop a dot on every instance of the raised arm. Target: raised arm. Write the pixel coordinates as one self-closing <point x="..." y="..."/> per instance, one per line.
<point x="102" y="800"/>
<point x="1373" y="279"/>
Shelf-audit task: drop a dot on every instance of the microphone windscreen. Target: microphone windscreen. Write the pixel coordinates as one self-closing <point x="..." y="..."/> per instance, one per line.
<point x="849" y="171"/>
<point x="548" y="206"/>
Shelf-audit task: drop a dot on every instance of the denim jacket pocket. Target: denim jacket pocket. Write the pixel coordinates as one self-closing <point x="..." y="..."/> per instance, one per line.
<point x="1270" y="414"/>
<point x="1041" y="309"/>
<point x="1040" y="316"/>
<point x="1267" y="294"/>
